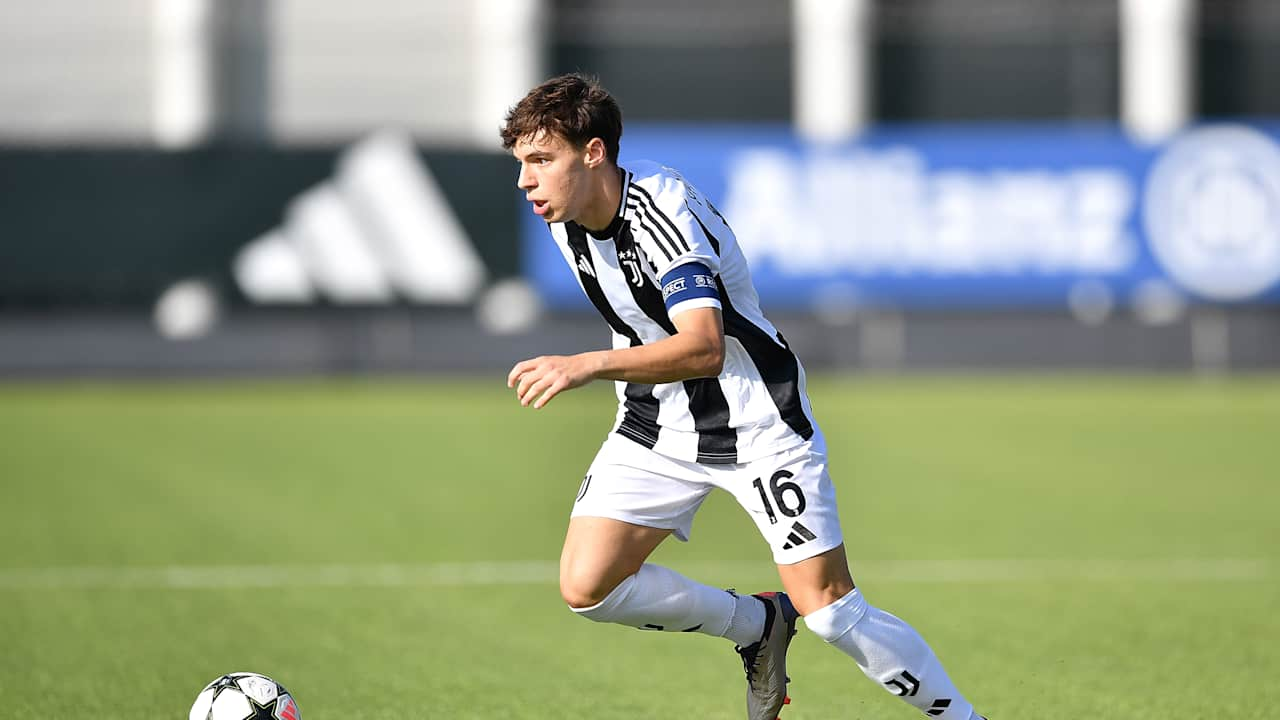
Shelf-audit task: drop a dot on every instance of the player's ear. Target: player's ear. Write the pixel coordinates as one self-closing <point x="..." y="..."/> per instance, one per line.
<point x="595" y="153"/>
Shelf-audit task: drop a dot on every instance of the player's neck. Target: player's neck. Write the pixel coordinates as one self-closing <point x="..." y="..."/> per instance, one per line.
<point x="607" y="195"/>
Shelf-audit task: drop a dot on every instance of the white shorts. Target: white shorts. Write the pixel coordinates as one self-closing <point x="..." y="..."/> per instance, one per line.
<point x="789" y="495"/>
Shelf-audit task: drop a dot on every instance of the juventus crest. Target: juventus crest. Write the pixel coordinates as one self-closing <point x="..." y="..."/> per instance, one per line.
<point x="630" y="263"/>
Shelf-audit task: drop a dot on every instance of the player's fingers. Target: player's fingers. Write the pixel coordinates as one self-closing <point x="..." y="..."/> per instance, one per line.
<point x="534" y="389"/>
<point x="552" y="390"/>
<point x="517" y="370"/>
<point x="527" y="380"/>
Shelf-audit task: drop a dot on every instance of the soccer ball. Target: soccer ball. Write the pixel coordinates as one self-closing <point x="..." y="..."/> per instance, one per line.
<point x="244" y="696"/>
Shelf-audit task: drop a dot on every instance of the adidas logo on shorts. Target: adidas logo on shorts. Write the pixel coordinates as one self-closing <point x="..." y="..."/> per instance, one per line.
<point x="798" y="536"/>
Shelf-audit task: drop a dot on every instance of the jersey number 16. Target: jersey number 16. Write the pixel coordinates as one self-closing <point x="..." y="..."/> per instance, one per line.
<point x="779" y="486"/>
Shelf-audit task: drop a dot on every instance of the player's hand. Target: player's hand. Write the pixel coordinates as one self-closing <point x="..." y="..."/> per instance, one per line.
<point x="539" y="379"/>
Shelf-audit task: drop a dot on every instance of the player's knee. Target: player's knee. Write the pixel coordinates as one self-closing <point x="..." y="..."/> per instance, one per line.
<point x="818" y="582"/>
<point x="580" y="590"/>
<point x="578" y="598"/>
<point x="819" y="595"/>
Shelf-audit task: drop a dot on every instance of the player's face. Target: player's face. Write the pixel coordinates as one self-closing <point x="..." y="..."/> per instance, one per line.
<point x="553" y="175"/>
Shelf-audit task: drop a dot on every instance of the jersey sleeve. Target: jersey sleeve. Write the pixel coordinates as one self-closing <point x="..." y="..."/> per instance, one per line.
<point x="688" y="286"/>
<point x="672" y="234"/>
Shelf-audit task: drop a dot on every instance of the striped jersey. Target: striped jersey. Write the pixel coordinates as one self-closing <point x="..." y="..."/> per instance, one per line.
<point x="757" y="406"/>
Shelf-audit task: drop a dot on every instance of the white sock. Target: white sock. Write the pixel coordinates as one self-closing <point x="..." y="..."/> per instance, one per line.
<point x="891" y="653"/>
<point x="657" y="598"/>
<point x="747" y="624"/>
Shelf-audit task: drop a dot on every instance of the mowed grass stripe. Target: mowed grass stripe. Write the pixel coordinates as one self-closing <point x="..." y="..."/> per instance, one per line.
<point x="540" y="573"/>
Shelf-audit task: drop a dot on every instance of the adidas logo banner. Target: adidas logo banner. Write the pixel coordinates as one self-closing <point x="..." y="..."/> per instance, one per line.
<point x="381" y="229"/>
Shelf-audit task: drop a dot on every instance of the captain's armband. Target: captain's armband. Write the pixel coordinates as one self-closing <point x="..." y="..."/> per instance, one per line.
<point x="689" y="286"/>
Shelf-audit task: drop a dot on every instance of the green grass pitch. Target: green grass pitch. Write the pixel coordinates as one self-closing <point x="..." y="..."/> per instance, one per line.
<point x="1072" y="548"/>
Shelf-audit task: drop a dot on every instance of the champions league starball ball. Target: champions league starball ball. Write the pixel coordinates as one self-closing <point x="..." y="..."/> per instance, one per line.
<point x="244" y="696"/>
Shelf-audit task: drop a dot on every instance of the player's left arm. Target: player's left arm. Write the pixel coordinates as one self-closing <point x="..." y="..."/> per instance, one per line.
<point x="695" y="350"/>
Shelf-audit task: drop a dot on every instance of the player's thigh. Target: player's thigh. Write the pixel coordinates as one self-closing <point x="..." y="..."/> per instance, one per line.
<point x="792" y="501"/>
<point x="632" y="483"/>
<point x="630" y="500"/>
<point x="601" y="552"/>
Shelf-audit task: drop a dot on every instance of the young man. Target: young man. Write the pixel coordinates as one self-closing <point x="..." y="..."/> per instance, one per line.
<point x="710" y="396"/>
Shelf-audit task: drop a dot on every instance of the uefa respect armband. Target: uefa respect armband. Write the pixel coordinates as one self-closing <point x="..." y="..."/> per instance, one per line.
<point x="690" y="281"/>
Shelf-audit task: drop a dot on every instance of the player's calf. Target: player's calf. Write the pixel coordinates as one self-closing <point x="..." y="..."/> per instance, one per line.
<point x="892" y="654"/>
<point x="658" y="598"/>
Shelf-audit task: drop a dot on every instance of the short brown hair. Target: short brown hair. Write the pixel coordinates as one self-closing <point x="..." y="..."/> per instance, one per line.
<point x="573" y="106"/>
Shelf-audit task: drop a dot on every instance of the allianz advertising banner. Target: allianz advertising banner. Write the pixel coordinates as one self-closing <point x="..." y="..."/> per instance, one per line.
<point x="979" y="216"/>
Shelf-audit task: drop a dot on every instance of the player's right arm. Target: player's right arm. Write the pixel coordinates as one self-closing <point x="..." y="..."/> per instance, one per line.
<point x="686" y="263"/>
<point x="695" y="350"/>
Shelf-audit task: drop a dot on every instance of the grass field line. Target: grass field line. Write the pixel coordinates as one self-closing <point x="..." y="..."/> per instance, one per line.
<point x="537" y="573"/>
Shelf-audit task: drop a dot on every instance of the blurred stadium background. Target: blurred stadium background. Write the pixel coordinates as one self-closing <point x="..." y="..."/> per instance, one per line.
<point x="250" y="186"/>
<point x="263" y="269"/>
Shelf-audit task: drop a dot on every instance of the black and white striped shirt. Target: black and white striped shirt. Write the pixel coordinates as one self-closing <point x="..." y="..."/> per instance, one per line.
<point x="757" y="406"/>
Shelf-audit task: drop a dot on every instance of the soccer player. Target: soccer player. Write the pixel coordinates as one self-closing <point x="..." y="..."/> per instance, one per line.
<point x="709" y="396"/>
